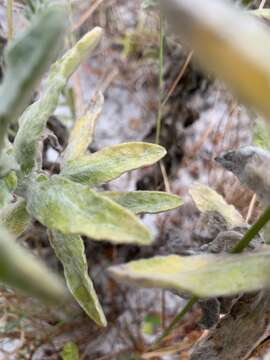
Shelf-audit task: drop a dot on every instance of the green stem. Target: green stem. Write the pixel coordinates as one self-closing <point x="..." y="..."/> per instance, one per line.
<point x="161" y="65"/>
<point x="239" y="247"/>
<point x="177" y="318"/>
<point x="252" y="231"/>
<point x="10" y="19"/>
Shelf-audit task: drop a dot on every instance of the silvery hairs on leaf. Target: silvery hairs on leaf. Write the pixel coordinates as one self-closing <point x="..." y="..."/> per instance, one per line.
<point x="111" y="162"/>
<point x="33" y="120"/>
<point x="205" y="276"/>
<point x="73" y="208"/>
<point x="70" y="251"/>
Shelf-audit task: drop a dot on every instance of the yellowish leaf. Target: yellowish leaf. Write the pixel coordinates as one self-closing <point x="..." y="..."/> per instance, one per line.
<point x="109" y="163"/>
<point x="207" y="199"/>
<point x="70" y="251"/>
<point x="82" y="134"/>
<point x="204" y="276"/>
<point x="145" y="202"/>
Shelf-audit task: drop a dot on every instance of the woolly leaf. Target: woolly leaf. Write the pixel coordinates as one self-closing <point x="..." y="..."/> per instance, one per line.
<point x="27" y="58"/>
<point x="82" y="133"/>
<point x="229" y="43"/>
<point x="142" y="202"/>
<point x="20" y="269"/>
<point x="204" y="275"/>
<point x="72" y="208"/>
<point x="15" y="217"/>
<point x="207" y="199"/>
<point x="33" y="120"/>
<point x="109" y="163"/>
<point x="70" y="251"/>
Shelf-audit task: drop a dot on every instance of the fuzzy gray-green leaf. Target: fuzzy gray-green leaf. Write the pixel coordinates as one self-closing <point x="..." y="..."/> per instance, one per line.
<point x="27" y="58"/>
<point x="34" y="119"/>
<point x="20" y="269"/>
<point x="202" y="275"/>
<point x="15" y="217"/>
<point x="70" y="251"/>
<point x="109" y="163"/>
<point x="145" y="202"/>
<point x="72" y="208"/>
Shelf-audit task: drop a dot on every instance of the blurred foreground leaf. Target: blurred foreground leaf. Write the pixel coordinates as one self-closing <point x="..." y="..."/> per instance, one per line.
<point x="70" y="251"/>
<point x="82" y="134"/>
<point x="22" y="270"/>
<point x="207" y="199"/>
<point x="33" y="120"/>
<point x="72" y="208"/>
<point x="229" y="43"/>
<point x="145" y="202"/>
<point x="204" y="276"/>
<point x="109" y="163"/>
<point x="27" y="58"/>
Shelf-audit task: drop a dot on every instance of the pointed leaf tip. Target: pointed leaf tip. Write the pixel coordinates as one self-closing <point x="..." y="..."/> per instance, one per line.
<point x="109" y="163"/>
<point x="33" y="120"/>
<point x="83" y="131"/>
<point x="145" y="202"/>
<point x="70" y="251"/>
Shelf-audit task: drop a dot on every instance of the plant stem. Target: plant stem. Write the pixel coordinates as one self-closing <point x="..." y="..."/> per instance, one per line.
<point x="177" y="318"/>
<point x="239" y="247"/>
<point x="10" y="19"/>
<point x="161" y="65"/>
<point x="252" y="231"/>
